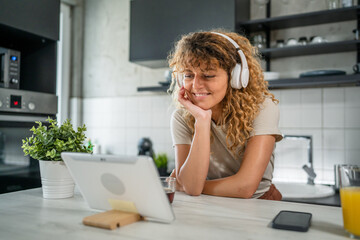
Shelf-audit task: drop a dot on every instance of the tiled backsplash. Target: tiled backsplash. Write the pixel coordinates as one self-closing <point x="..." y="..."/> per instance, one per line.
<point x="117" y="124"/>
<point x="330" y="115"/>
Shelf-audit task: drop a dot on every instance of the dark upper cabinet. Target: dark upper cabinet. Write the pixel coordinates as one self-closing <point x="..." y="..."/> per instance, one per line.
<point x="39" y="17"/>
<point x="32" y="28"/>
<point x="155" y="25"/>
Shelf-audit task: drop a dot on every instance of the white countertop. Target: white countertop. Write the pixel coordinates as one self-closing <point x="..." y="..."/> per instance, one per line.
<point x="26" y="215"/>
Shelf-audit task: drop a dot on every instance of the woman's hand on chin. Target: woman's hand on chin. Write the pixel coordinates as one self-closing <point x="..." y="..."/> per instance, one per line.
<point x="187" y="100"/>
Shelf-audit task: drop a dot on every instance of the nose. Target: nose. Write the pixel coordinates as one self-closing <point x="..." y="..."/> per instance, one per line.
<point x="197" y="82"/>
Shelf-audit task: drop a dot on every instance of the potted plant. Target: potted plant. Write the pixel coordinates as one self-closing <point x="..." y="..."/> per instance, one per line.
<point x="161" y="161"/>
<point x="46" y="145"/>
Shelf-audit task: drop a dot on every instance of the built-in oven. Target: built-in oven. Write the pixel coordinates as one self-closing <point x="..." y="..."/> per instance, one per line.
<point x="19" y="109"/>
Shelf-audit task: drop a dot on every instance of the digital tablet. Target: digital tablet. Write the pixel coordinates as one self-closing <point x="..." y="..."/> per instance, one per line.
<point x="127" y="183"/>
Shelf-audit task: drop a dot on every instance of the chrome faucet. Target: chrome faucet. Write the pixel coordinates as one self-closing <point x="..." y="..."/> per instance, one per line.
<point x="309" y="170"/>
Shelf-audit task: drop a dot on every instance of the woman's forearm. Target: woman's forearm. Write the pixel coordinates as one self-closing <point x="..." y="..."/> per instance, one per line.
<point x="229" y="187"/>
<point x="193" y="172"/>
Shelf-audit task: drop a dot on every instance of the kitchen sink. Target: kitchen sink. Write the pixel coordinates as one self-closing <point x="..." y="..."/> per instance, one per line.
<point x="294" y="190"/>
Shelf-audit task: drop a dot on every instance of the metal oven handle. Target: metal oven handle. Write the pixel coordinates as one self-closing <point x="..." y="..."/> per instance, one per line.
<point x="23" y="119"/>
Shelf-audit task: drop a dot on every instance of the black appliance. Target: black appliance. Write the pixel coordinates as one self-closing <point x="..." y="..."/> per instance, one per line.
<point x="145" y="147"/>
<point x="19" y="110"/>
<point x="10" y="68"/>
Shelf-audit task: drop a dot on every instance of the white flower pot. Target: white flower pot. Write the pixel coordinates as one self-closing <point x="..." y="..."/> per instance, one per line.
<point x="56" y="180"/>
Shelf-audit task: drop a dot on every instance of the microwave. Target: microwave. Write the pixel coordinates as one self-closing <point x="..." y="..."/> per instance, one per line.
<point x="10" y="68"/>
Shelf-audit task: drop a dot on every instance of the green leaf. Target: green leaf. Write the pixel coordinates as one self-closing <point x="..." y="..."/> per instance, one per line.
<point x="161" y="160"/>
<point x="47" y="142"/>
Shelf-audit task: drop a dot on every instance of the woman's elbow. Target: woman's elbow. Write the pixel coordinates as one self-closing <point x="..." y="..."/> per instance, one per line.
<point x="247" y="192"/>
<point x="191" y="189"/>
<point x="192" y="192"/>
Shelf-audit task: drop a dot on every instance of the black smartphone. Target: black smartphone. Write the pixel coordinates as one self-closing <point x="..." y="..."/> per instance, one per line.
<point x="291" y="220"/>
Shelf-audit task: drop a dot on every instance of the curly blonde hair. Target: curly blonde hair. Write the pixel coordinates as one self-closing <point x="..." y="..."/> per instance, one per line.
<point x="240" y="106"/>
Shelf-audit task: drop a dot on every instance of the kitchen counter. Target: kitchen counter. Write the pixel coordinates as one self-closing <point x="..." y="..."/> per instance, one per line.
<point x="26" y="215"/>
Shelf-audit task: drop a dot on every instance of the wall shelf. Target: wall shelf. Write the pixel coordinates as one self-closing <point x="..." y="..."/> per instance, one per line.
<point x="312" y="82"/>
<point x="153" y="89"/>
<point x="311" y="49"/>
<point x="299" y="20"/>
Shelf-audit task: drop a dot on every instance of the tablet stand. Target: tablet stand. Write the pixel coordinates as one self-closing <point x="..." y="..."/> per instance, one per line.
<point x="111" y="219"/>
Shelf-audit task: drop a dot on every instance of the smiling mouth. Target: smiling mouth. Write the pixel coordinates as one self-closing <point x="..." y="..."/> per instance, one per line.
<point x="200" y="94"/>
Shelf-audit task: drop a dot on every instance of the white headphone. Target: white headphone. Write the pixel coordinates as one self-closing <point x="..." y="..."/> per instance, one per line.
<point x="239" y="74"/>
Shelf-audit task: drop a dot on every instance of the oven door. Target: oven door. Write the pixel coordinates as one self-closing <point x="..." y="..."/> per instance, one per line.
<point x="17" y="172"/>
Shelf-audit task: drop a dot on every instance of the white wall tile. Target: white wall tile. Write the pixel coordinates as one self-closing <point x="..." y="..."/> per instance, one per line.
<point x="318" y="162"/>
<point x="116" y="142"/>
<point x="145" y="119"/>
<point x="88" y="105"/>
<point x="131" y="119"/>
<point x="131" y="149"/>
<point x="290" y="117"/>
<point x="132" y="104"/>
<point x="328" y="176"/>
<point x="352" y="97"/>
<point x="352" y="139"/>
<point x="352" y="157"/>
<point x="311" y="117"/>
<point x="108" y="105"/>
<point x="311" y="102"/>
<point x="334" y="117"/>
<point x="131" y="135"/>
<point x="120" y="104"/>
<point x="145" y="104"/>
<point x="158" y="136"/>
<point x="291" y="98"/>
<point x="352" y="117"/>
<point x="332" y="157"/>
<point x="118" y="119"/>
<point x="334" y="139"/>
<point x="311" y="98"/>
<point x="334" y="97"/>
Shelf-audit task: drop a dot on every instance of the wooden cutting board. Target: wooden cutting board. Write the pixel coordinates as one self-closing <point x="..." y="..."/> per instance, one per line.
<point x="111" y="219"/>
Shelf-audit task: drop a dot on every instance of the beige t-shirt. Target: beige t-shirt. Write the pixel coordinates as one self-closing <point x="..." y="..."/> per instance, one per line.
<point x="223" y="162"/>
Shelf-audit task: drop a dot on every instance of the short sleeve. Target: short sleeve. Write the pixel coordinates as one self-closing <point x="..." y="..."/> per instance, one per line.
<point x="267" y="121"/>
<point x="180" y="132"/>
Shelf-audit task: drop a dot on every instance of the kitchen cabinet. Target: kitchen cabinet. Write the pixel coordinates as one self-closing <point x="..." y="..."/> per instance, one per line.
<point x="32" y="27"/>
<point x="155" y="25"/>
<point x="268" y="24"/>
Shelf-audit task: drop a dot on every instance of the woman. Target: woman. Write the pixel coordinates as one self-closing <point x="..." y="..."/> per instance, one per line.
<point x="226" y="125"/>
